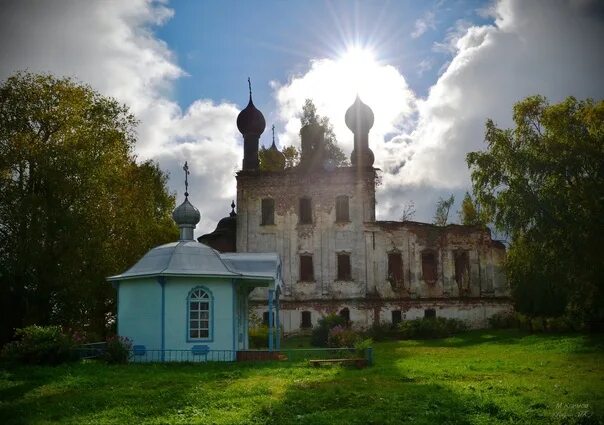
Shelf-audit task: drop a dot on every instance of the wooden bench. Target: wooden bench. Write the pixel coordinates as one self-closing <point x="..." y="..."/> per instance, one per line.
<point x="358" y="362"/>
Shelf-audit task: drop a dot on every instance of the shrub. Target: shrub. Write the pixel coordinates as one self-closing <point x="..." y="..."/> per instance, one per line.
<point x="117" y="350"/>
<point x="342" y="336"/>
<point x="438" y="327"/>
<point x="361" y="345"/>
<point x="503" y="320"/>
<point x="258" y="336"/>
<point x="320" y="333"/>
<point x="44" y="345"/>
<point x="382" y="331"/>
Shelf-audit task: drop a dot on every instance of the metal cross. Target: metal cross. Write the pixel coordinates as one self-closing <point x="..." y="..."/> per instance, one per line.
<point x="186" y="170"/>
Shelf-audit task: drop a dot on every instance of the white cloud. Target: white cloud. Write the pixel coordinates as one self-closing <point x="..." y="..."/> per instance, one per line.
<point x="423" y="24"/>
<point x="552" y="48"/>
<point x="333" y="85"/>
<point x="110" y="45"/>
<point x="543" y="47"/>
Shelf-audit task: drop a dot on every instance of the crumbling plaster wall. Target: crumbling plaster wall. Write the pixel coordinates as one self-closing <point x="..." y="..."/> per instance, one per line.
<point x="484" y="279"/>
<point x="324" y="238"/>
<point x="369" y="295"/>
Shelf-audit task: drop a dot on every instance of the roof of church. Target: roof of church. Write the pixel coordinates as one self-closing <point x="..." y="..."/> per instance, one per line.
<point x="191" y="258"/>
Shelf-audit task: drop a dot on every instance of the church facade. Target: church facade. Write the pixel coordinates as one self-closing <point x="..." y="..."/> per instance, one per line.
<point x="336" y="257"/>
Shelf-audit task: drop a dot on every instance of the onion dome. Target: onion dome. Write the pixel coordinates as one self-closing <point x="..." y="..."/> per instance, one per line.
<point x="275" y="157"/>
<point x="359" y="117"/>
<point x="186" y="214"/>
<point x="250" y="121"/>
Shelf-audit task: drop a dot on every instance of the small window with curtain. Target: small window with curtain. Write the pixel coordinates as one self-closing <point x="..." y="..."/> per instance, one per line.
<point x="200" y="304"/>
<point x="307" y="273"/>
<point x="342" y="211"/>
<point x="344" y="272"/>
<point x="268" y="212"/>
<point x="305" y="211"/>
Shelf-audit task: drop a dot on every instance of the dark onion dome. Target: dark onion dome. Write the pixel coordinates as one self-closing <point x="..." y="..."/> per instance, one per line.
<point x="186" y="214"/>
<point x="359" y="117"/>
<point x="250" y="120"/>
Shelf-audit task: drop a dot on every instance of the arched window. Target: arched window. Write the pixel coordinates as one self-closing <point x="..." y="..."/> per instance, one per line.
<point x="345" y="314"/>
<point x="200" y="314"/>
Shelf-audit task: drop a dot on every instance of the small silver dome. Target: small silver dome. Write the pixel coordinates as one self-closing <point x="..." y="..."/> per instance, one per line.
<point x="186" y="214"/>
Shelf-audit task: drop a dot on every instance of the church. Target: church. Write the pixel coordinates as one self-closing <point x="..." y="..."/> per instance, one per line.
<point x="336" y="257"/>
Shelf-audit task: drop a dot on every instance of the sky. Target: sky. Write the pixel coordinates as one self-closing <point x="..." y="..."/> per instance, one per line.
<point x="432" y="71"/>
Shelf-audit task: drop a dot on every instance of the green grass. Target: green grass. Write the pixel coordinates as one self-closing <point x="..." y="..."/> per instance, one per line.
<point x="482" y="377"/>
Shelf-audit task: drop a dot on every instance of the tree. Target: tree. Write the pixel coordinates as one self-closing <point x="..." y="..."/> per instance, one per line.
<point x="75" y="207"/>
<point x="332" y="150"/>
<point x="542" y="183"/>
<point x="469" y="214"/>
<point x="443" y="206"/>
<point x="408" y="211"/>
<point x="268" y="162"/>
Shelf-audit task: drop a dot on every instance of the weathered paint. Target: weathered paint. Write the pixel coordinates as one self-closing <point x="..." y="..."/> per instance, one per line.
<point x="369" y="294"/>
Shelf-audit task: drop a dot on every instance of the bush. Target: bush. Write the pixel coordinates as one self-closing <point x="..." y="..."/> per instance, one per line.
<point x="43" y="345"/>
<point x="342" y="336"/>
<point x="361" y="345"/>
<point x="382" y="331"/>
<point x="320" y="333"/>
<point x="258" y="336"/>
<point x="117" y="350"/>
<point x="503" y="320"/>
<point x="438" y="327"/>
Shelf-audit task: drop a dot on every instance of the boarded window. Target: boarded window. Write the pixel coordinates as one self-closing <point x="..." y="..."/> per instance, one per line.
<point x="344" y="267"/>
<point x="395" y="268"/>
<point x="307" y="273"/>
<point x="342" y="214"/>
<point x="305" y="211"/>
<point x="429" y="266"/>
<point x="429" y="313"/>
<point x="268" y="212"/>
<point x="462" y="268"/>
<point x="345" y="314"/>
<point x="397" y="317"/>
<point x="306" y="320"/>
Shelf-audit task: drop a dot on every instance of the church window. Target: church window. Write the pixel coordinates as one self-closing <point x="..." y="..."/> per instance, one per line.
<point x="395" y="268"/>
<point x="342" y="211"/>
<point x="397" y="317"/>
<point x="268" y="212"/>
<point x="307" y="273"/>
<point x="200" y="309"/>
<point x="305" y="211"/>
<point x="306" y="320"/>
<point x="429" y="266"/>
<point x="345" y="314"/>
<point x="462" y="267"/>
<point x="429" y="313"/>
<point x="344" y="272"/>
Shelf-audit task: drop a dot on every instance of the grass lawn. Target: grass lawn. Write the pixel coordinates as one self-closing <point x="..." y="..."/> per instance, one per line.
<point x="481" y="377"/>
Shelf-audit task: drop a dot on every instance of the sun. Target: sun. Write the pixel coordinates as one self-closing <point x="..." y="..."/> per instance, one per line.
<point x="358" y="66"/>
